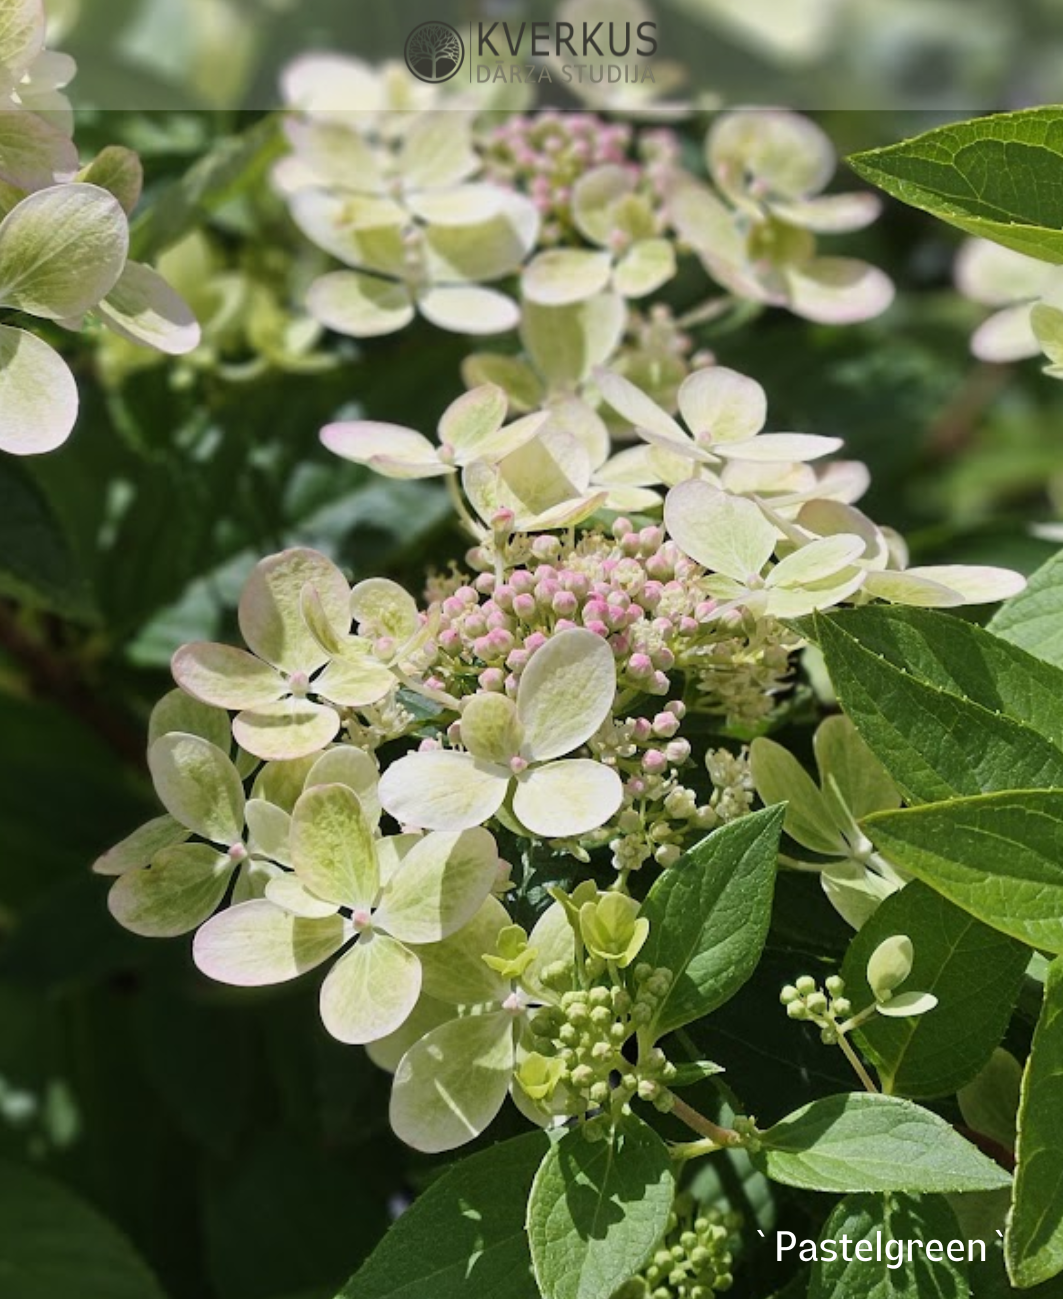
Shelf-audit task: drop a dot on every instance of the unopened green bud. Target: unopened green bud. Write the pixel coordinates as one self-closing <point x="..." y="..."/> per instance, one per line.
<point x="835" y="985"/>
<point x="788" y="994"/>
<point x="805" y="984"/>
<point x="797" y="1010"/>
<point x="842" y="1007"/>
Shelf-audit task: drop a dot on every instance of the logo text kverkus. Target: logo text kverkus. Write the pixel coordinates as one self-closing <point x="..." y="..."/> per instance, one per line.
<point x="434" y="51"/>
<point x="578" y="40"/>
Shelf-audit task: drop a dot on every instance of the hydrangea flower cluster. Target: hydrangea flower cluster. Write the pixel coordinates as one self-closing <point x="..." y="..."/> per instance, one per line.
<point x="696" y="1258"/>
<point x="64" y="241"/>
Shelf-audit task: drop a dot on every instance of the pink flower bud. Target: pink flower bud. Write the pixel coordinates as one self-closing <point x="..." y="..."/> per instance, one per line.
<point x="677" y="752"/>
<point x="665" y="725"/>
<point x="493" y="679"/>
<point x="524" y="605"/>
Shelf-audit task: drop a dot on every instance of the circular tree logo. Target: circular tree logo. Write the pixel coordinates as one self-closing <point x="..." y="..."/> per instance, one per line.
<point x="434" y="51"/>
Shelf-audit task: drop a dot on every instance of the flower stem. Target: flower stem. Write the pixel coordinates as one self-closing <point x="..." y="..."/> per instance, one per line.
<point x="857" y="1064"/>
<point x="712" y="1132"/>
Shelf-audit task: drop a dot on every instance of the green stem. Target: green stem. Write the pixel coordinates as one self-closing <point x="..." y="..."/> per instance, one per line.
<point x="712" y="1132"/>
<point x="459" y="505"/>
<point x="857" y="1064"/>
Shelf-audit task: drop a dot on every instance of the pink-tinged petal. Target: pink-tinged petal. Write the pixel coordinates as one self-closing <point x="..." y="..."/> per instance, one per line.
<point x="831" y="213"/>
<point x="226" y="677"/>
<point x="1007" y="335"/>
<point x="271" y="615"/>
<point x="370" y="442"/>
<point x="143" y="309"/>
<point x="38" y="395"/>
<point x="837" y="290"/>
<point x="256" y="944"/>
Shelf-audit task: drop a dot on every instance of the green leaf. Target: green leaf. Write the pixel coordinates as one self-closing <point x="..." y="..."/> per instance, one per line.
<point x="865" y="1142"/>
<point x="881" y="1225"/>
<point x="990" y="177"/>
<point x="999" y="856"/>
<point x="597" y="1209"/>
<point x="709" y="916"/>
<point x="53" y="1243"/>
<point x="934" y="742"/>
<point x="1034" y="1241"/>
<point x="464" y="1235"/>
<point x="37" y="562"/>
<point x="990" y="1102"/>
<point x="1034" y="618"/>
<point x="974" y="971"/>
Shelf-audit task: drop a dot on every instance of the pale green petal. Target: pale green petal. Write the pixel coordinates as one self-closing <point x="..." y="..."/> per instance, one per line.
<point x="62" y="249"/>
<point x="632" y="404"/>
<point x="712" y="230"/>
<point x="567" y="342"/>
<point x="565" y="693"/>
<point x="386" y="1052"/>
<point x="908" y="1003"/>
<point x="553" y="470"/>
<point x="504" y="441"/>
<point x="632" y="467"/>
<point x="269" y="830"/>
<point x="34" y="153"/>
<point x="819" y="560"/>
<point x="553" y="941"/>
<point x="282" y="782"/>
<point x="797" y="601"/>
<point x="890" y="964"/>
<point x="337" y="153"/>
<point x="974" y="583"/>
<point x="522" y="385"/>
<point x="1007" y="335"/>
<point x="831" y="213"/>
<point x="332" y="847"/>
<point x="854" y="892"/>
<point x="256" y="944"/>
<point x="290" y="894"/>
<point x="473" y="419"/>
<point x="137" y="849"/>
<point x="837" y="290"/>
<point x="357" y="230"/>
<point x="383" y="608"/>
<point x="270" y="612"/>
<point x="198" y="786"/>
<point x="862" y="780"/>
<point x="1047" y="324"/>
<point x="564" y="799"/>
<point x="565" y="275"/>
<point x="903" y="588"/>
<point x="370" y="991"/>
<point x="567" y="514"/>
<point x="489" y="250"/>
<point x="827" y="518"/>
<point x="452" y="1083"/>
<point x="646" y="265"/>
<point x="580" y="420"/>
<point x="463" y="205"/>
<point x="346" y="765"/>
<point x="290" y="728"/>
<point x="454" y="969"/>
<point x="178" y="711"/>
<point x="253" y="878"/>
<point x="22" y="27"/>
<point x="181" y="888"/>
<point x="780" y="448"/>
<point x="780" y="778"/>
<point x="726" y="534"/>
<point x="392" y="850"/>
<point x="723" y="404"/>
<point x="594" y="200"/>
<point x="226" y="677"/>
<point x="631" y="500"/>
<point x="443" y="790"/>
<point x="440" y="886"/>
<point x="355" y="683"/>
<point x="144" y="309"/>
<point x="490" y="727"/>
<point x="390" y="449"/>
<point x="361" y="306"/>
<point x="438" y="150"/>
<point x="788" y="154"/>
<point x="996" y="276"/>
<point x="120" y="172"/>
<point x="469" y="309"/>
<point x="38" y="395"/>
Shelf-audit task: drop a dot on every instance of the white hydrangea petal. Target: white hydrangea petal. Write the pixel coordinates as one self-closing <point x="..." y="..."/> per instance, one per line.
<point x="38" y="395"/>
<point x="996" y="276"/>
<point x="372" y="442"/>
<point x="1047" y="324"/>
<point x="226" y="677"/>
<point x="509" y="438"/>
<point x="370" y="991"/>
<point x="827" y="518"/>
<point x="818" y="560"/>
<point x="552" y="470"/>
<point x="797" y="601"/>
<point x="34" y="154"/>
<point x="289" y="893"/>
<point x="974" y="583"/>
<point x="490" y="727"/>
<point x="342" y="225"/>
<point x="567" y="342"/>
<point x="175" y="894"/>
<point x="843" y="480"/>
<point x="252" y="879"/>
<point x="564" y="799"/>
<point x="386" y="608"/>
<point x="565" y="515"/>
<point x="644" y="267"/>
<point x="907" y="1003"/>
<point x="355" y="682"/>
<point x="632" y="404"/>
<point x="269" y="830"/>
<point x="331" y="84"/>
<point x="837" y="290"/>
<point x="270" y="611"/>
<point x="631" y="500"/>
<point x="454" y="970"/>
<point x="1007" y="335"/>
<point x="21" y="38"/>
<point x="257" y="943"/>
<point x="438" y="151"/>
<point x="440" y="886"/>
<point x="137" y="849"/>
<point x="903" y="588"/>
<point x="290" y="728"/>
<point x="198" y="786"/>
<point x="469" y="309"/>
<point x="332" y="847"/>
<point x="179" y="711"/>
<point x="489" y="250"/>
<point x="336" y="152"/>
<point x="62" y="250"/>
<point x="726" y="534"/>
<point x="358" y="305"/>
<point x="725" y="405"/>
<point x="475" y="417"/>
<point x="142" y="308"/>
<point x="565" y="693"/>
<point x="452" y="1083"/>
<point x="355" y="768"/>
<point x="632" y="467"/>
<point x="462" y="205"/>
<point x="561" y="276"/>
<point x="787" y="153"/>
<point x="522" y="385"/>
<point x="595" y="197"/>
<point x="554" y="941"/>
<point x="754" y="478"/>
<point x="282" y="782"/>
<point x="443" y="790"/>
<point x="711" y="229"/>
<point x="780" y="448"/>
<point x="831" y="213"/>
<point x="386" y="1052"/>
<point x="780" y="778"/>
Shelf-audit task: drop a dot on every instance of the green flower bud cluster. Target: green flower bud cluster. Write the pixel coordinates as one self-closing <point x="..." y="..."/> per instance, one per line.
<point x="825" y="1007"/>
<point x="695" y="1259"/>
<point x="580" y="1046"/>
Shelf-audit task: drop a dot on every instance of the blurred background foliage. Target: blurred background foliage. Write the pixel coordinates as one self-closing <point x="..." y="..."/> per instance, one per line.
<point x="243" y="1152"/>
